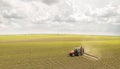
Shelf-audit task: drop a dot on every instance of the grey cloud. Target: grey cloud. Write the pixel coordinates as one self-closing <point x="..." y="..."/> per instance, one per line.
<point x="64" y="19"/>
<point x="3" y="4"/>
<point x="50" y="2"/>
<point x="13" y="15"/>
<point x="107" y="14"/>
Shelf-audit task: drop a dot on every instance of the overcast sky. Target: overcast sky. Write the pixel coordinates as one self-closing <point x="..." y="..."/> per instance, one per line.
<point x="101" y="17"/>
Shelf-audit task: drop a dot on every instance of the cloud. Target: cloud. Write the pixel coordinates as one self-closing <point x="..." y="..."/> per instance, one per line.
<point x="50" y="2"/>
<point x="58" y="15"/>
<point x="107" y="14"/>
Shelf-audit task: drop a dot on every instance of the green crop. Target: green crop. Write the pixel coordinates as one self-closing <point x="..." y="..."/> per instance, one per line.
<point x="30" y="52"/>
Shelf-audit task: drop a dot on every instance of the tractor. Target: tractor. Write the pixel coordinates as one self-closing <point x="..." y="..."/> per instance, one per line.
<point x="78" y="51"/>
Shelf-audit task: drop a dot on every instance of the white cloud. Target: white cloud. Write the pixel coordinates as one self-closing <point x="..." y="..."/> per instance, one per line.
<point x="107" y="14"/>
<point x="59" y="15"/>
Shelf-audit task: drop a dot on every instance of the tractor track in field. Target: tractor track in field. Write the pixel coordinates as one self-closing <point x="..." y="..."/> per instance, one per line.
<point x="52" y="40"/>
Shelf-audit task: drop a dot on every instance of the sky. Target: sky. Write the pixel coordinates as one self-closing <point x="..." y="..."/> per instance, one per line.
<point x="93" y="17"/>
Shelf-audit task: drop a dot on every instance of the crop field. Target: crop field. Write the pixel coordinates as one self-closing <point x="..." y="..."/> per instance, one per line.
<point x="51" y="52"/>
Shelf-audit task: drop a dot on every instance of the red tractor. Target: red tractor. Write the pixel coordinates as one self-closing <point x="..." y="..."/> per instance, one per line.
<point x="78" y="51"/>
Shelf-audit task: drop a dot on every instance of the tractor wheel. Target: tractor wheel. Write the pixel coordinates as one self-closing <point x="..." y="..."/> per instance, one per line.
<point x="78" y="54"/>
<point x="72" y="55"/>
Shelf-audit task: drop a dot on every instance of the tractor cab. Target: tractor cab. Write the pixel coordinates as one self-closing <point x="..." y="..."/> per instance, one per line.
<point x="77" y="51"/>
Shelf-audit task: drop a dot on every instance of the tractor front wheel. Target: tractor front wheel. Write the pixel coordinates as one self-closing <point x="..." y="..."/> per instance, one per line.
<point x="72" y="54"/>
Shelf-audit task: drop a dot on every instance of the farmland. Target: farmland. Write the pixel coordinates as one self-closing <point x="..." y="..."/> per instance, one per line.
<point x="51" y="52"/>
